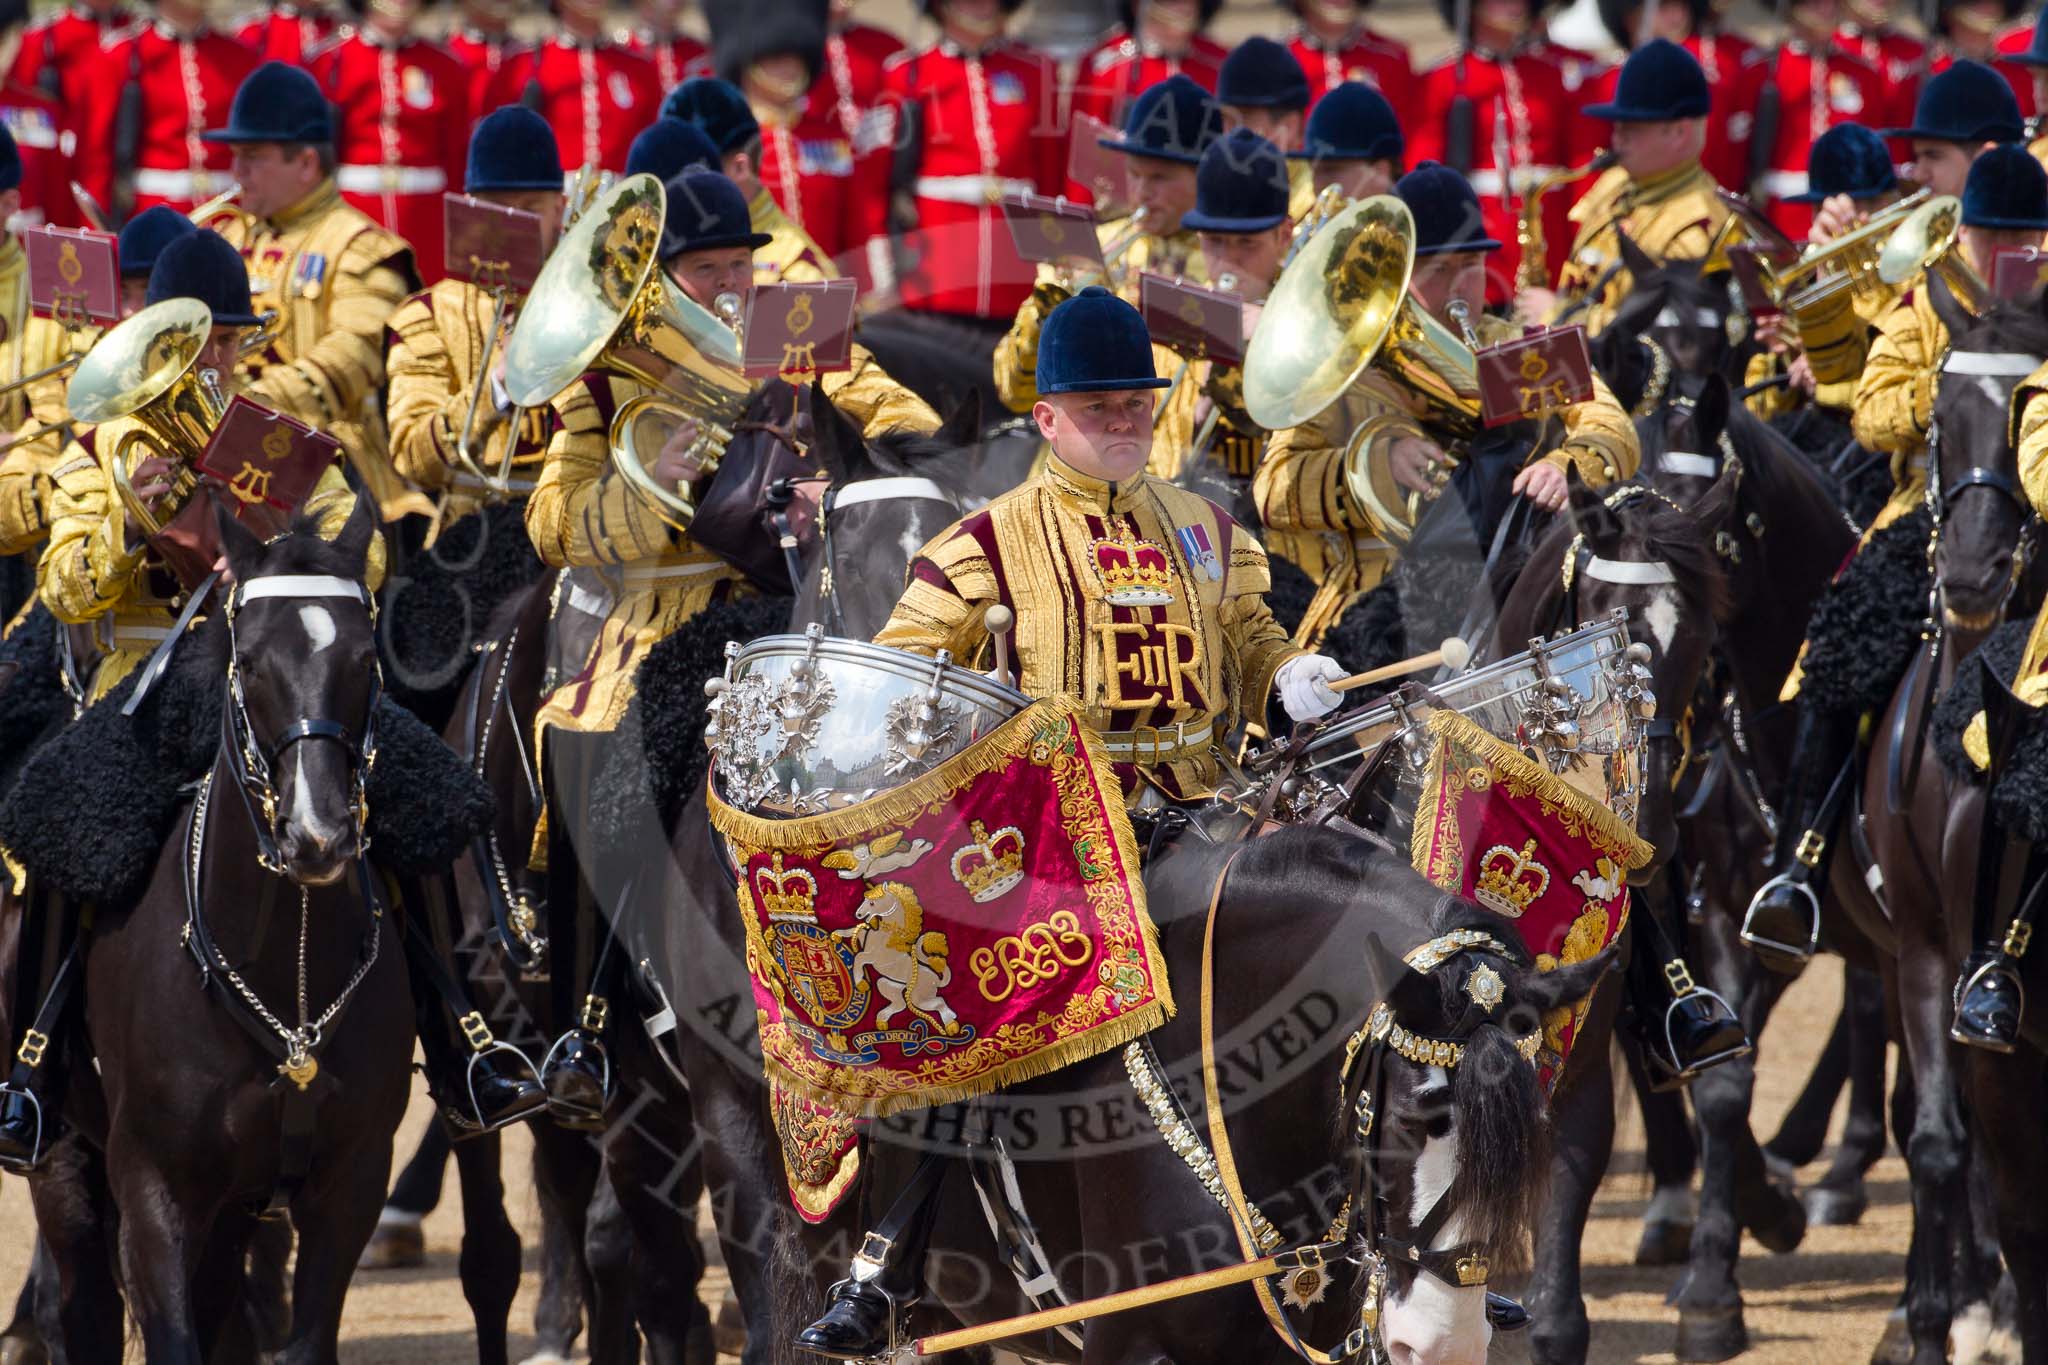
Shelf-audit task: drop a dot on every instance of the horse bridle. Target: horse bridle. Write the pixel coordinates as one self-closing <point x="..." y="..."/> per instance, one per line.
<point x="1464" y="1265"/>
<point x="253" y="765"/>
<point x="839" y="497"/>
<point x="2015" y="365"/>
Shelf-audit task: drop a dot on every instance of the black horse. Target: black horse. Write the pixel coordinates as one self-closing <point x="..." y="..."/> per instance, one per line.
<point x="290" y="1071"/>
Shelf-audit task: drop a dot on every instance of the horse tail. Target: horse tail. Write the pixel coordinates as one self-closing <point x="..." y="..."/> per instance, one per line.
<point x="791" y="1289"/>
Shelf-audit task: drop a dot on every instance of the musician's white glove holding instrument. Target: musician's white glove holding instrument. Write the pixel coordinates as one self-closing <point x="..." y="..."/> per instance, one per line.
<point x="1303" y="683"/>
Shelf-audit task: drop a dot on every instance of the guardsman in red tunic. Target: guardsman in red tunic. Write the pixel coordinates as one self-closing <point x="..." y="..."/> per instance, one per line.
<point x="1334" y="45"/>
<point x="184" y="76"/>
<point x="1980" y="30"/>
<point x="36" y="122"/>
<point x="596" y="93"/>
<point x="1900" y="58"/>
<point x="983" y="121"/>
<point x="59" y="57"/>
<point x="1818" y="87"/>
<point x="1735" y="69"/>
<point x="1496" y="109"/>
<point x="851" y="84"/>
<point x="482" y="42"/>
<point x="292" y="34"/>
<point x="772" y="51"/>
<point x="676" y="55"/>
<point x="1161" y="38"/>
<point x="402" y="134"/>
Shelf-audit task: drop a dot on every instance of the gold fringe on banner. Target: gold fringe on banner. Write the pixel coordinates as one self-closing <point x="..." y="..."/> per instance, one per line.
<point x="1604" y="828"/>
<point x="1049" y="723"/>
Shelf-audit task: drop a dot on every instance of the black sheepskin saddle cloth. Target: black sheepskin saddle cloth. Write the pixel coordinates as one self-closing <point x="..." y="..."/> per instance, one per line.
<point x="90" y="812"/>
<point x="659" y="759"/>
<point x="2019" y="796"/>
<point x="1867" y="623"/>
<point x="32" y="697"/>
<point x="437" y="607"/>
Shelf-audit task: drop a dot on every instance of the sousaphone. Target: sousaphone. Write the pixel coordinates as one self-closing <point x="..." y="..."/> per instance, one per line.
<point x="148" y="368"/>
<point x="1342" y="307"/>
<point x="602" y="302"/>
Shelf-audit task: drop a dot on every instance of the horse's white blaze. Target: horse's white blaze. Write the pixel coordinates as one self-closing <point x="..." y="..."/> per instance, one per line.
<point x="1995" y="393"/>
<point x="319" y="625"/>
<point x="913" y="536"/>
<point x="1661" y="616"/>
<point x="1436" y="1323"/>
<point x="304" y="818"/>
<point x="1668" y="316"/>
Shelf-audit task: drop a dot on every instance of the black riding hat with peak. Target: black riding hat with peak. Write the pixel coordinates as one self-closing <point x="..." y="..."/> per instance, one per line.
<point x="706" y="211"/>
<point x="145" y="237"/>
<point x="1241" y="186"/>
<point x="513" y="149"/>
<point x="718" y="108"/>
<point x="1352" y="121"/>
<point x="1445" y="209"/>
<point x="201" y="265"/>
<point x="1969" y="102"/>
<point x="277" y="103"/>
<point x="746" y="31"/>
<point x="1261" y="74"/>
<point x="1847" y="159"/>
<point x="667" y="147"/>
<point x="1659" y="82"/>
<point x="1095" y="343"/>
<point x="1172" y="120"/>
<point x="2007" y="191"/>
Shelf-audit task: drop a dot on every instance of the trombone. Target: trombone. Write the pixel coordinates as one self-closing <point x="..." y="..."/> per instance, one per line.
<point x="609" y="306"/>
<point x="223" y="205"/>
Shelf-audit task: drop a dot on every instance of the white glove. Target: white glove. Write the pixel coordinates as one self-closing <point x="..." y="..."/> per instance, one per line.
<point x="501" y="397"/>
<point x="1303" y="683"/>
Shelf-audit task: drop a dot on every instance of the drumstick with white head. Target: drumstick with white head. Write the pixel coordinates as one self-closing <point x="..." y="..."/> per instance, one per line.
<point x="1452" y="653"/>
<point x="998" y="621"/>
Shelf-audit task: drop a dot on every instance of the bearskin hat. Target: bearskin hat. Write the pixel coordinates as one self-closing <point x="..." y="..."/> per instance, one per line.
<point x="1127" y="13"/>
<point x="1448" y="9"/>
<point x="1620" y="17"/>
<point x="745" y="31"/>
<point x="360" y="7"/>
<point x="2012" y="10"/>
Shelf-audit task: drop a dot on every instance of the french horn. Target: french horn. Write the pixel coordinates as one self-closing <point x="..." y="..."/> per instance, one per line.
<point x="147" y="368"/>
<point x="1343" y="307"/>
<point x="602" y="302"/>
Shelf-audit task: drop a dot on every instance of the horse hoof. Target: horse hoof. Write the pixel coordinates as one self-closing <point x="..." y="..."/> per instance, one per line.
<point x="1895" y="1347"/>
<point x="22" y="1350"/>
<point x="1779" y="1169"/>
<point x="1836" y="1206"/>
<point x="728" y="1329"/>
<point x="1664" y="1243"/>
<point x="394" y="1246"/>
<point x="1711" y="1334"/>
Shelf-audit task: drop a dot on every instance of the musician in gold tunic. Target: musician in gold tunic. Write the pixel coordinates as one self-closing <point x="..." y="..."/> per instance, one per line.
<point x="1143" y="600"/>
<point x="720" y="109"/>
<point x="438" y="336"/>
<point x="27" y="344"/>
<point x="2004" y="204"/>
<point x="332" y="275"/>
<point x="1301" y="484"/>
<point x="1262" y="87"/>
<point x="96" y="568"/>
<point x="582" y="513"/>
<point x="1658" y="194"/>
<point x="1166" y="131"/>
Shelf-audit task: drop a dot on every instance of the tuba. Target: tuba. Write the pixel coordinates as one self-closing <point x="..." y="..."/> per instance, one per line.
<point x="147" y="368"/>
<point x="601" y="302"/>
<point x="1340" y="309"/>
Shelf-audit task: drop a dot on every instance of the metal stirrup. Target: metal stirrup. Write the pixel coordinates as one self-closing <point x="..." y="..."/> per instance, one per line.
<point x="1760" y="943"/>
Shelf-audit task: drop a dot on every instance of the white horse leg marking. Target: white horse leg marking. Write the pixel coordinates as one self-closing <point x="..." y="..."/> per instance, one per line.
<point x="319" y="625"/>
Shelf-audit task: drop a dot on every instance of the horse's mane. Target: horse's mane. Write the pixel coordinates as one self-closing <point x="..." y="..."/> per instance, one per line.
<point x="2015" y="324"/>
<point x="1652" y="291"/>
<point x="896" y="453"/>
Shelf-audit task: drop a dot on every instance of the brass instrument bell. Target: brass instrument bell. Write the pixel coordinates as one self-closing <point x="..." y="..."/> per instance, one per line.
<point x="602" y="302"/>
<point x="147" y="368"/>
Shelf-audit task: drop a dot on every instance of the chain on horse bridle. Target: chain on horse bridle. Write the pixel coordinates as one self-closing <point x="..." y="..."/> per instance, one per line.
<point x="1979" y="364"/>
<point x="1465" y="1265"/>
<point x="252" y="765"/>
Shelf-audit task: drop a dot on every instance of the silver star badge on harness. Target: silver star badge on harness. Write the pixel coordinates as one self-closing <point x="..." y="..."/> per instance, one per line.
<point x="1486" y="988"/>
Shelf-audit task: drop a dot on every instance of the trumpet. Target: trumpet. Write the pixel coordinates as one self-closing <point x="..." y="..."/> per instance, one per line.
<point x="147" y="368"/>
<point x="1344" y="307"/>
<point x="609" y="306"/>
<point x="1853" y="255"/>
<point x="1533" y="272"/>
<point x="1864" y="272"/>
<point x="222" y="205"/>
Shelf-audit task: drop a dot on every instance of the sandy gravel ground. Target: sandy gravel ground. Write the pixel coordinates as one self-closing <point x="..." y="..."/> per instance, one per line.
<point x="1824" y="1303"/>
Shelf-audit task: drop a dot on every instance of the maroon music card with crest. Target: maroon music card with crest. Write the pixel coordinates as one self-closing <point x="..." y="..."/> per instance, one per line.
<point x="260" y="464"/>
<point x="1541" y="372"/>
<point x="1192" y="320"/>
<point x="491" y="245"/>
<point x="74" y="275"/>
<point x="799" y="331"/>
